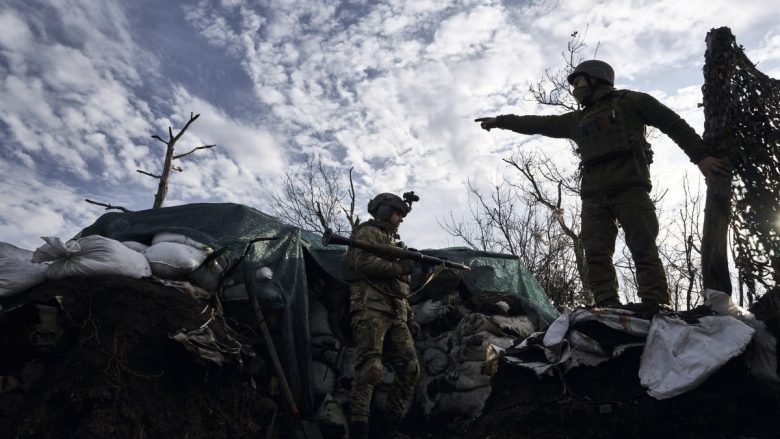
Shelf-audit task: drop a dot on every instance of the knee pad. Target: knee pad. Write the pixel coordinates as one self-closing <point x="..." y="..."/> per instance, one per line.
<point x="371" y="371"/>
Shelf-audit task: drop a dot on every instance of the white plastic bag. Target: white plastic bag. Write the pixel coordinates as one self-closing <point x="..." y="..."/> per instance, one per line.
<point x="17" y="271"/>
<point x="678" y="356"/>
<point x="90" y="256"/>
<point x="173" y="260"/>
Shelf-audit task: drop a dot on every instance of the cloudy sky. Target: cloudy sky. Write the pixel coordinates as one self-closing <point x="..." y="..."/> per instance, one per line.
<point x="387" y="87"/>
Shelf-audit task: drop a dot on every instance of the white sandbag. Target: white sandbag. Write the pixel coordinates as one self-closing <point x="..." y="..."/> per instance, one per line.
<point x="11" y="251"/>
<point x="17" y="271"/>
<point x="421" y="396"/>
<point x="442" y="342"/>
<point x="517" y="326"/>
<point x="318" y="319"/>
<point x="323" y="378"/>
<point x="179" y="239"/>
<point x="428" y="311"/>
<point x="468" y="404"/>
<point x="173" y="260"/>
<point x="140" y="247"/>
<point x="678" y="357"/>
<point x="331" y="414"/>
<point x="434" y="361"/>
<point x="468" y="375"/>
<point x="207" y="276"/>
<point x="90" y="256"/>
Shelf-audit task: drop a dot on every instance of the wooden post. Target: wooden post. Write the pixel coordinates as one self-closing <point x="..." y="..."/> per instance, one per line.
<point x="714" y="242"/>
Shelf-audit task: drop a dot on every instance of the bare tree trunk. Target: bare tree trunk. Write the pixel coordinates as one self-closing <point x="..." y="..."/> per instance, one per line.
<point x="170" y="144"/>
<point x="162" y="187"/>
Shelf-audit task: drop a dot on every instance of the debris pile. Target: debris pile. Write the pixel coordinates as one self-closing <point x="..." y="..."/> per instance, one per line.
<point x="124" y="357"/>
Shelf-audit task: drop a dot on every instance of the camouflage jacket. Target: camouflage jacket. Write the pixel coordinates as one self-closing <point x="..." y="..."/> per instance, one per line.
<point x="381" y="286"/>
<point x="637" y="110"/>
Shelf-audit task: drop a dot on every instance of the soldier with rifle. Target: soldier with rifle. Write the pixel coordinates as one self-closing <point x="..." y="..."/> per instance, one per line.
<point x="382" y="321"/>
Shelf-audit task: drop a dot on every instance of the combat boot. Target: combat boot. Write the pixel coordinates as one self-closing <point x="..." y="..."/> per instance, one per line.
<point x="358" y="430"/>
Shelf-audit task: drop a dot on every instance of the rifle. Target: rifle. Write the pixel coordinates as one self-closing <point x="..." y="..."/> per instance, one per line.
<point x="389" y="251"/>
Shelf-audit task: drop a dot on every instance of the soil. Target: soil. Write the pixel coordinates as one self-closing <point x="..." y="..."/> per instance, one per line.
<point x="608" y="401"/>
<point x="114" y="371"/>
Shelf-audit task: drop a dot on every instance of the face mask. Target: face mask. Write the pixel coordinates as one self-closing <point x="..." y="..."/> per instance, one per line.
<point x="582" y="94"/>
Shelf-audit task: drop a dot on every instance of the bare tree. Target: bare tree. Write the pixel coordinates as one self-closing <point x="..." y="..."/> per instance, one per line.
<point x="162" y="188"/>
<point x="317" y="197"/>
<point x="515" y="217"/>
<point x="681" y="250"/>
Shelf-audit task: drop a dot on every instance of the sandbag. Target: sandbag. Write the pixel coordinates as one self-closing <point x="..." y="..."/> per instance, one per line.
<point x="318" y="319"/>
<point x="135" y="245"/>
<point x="11" y="251"/>
<point x="90" y="256"/>
<point x="179" y="239"/>
<point x="468" y="404"/>
<point x="207" y="276"/>
<point x="323" y="378"/>
<point x="468" y="375"/>
<point x="518" y="326"/>
<point x="173" y="260"/>
<point x="17" y="271"/>
<point x="434" y="361"/>
<point x="474" y="347"/>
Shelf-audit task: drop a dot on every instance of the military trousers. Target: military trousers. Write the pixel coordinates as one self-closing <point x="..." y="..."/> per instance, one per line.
<point x="382" y="338"/>
<point x="635" y="212"/>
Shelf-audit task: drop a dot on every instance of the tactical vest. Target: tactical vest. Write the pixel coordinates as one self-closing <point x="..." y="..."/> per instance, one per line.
<point x="607" y="132"/>
<point x="348" y="272"/>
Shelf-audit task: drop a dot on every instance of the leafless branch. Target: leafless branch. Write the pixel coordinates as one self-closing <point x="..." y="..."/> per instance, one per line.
<point x="176" y="157"/>
<point x="107" y="206"/>
<point x="147" y="173"/>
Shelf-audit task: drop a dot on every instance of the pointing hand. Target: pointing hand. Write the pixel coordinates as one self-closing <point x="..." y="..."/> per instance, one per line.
<point x="486" y="123"/>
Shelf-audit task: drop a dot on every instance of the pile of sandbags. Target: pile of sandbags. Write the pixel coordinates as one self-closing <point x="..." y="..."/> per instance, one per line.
<point x="451" y="349"/>
<point x="90" y="256"/>
<point x="326" y="351"/>
<point x="454" y="380"/>
<point x="170" y="256"/>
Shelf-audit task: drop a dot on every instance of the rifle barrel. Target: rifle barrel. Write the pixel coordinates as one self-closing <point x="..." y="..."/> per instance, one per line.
<point x="389" y="250"/>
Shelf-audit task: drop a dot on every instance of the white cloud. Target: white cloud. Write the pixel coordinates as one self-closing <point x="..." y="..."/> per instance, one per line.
<point x="389" y="87"/>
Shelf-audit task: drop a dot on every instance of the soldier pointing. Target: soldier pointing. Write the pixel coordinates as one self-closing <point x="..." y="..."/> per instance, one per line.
<point x="609" y="130"/>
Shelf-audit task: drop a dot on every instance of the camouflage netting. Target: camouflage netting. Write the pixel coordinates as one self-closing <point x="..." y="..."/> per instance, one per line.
<point x="742" y="110"/>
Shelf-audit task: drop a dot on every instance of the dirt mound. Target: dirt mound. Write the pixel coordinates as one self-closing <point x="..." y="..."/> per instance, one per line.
<point x="115" y="371"/>
<point x="608" y="401"/>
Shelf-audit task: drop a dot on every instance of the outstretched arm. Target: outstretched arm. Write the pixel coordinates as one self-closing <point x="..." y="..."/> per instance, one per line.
<point x="559" y="126"/>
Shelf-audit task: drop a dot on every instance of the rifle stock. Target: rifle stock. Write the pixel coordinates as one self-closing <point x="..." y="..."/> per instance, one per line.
<point x="389" y="251"/>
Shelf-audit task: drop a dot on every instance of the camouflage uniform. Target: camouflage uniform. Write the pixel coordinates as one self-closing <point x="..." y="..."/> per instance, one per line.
<point x="380" y="315"/>
<point x="610" y="136"/>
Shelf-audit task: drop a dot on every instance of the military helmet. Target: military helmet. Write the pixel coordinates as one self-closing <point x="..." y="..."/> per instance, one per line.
<point x="390" y="200"/>
<point x="595" y="69"/>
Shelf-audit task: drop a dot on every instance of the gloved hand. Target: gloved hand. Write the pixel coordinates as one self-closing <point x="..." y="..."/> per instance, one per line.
<point x="407" y="266"/>
<point x="414" y="328"/>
